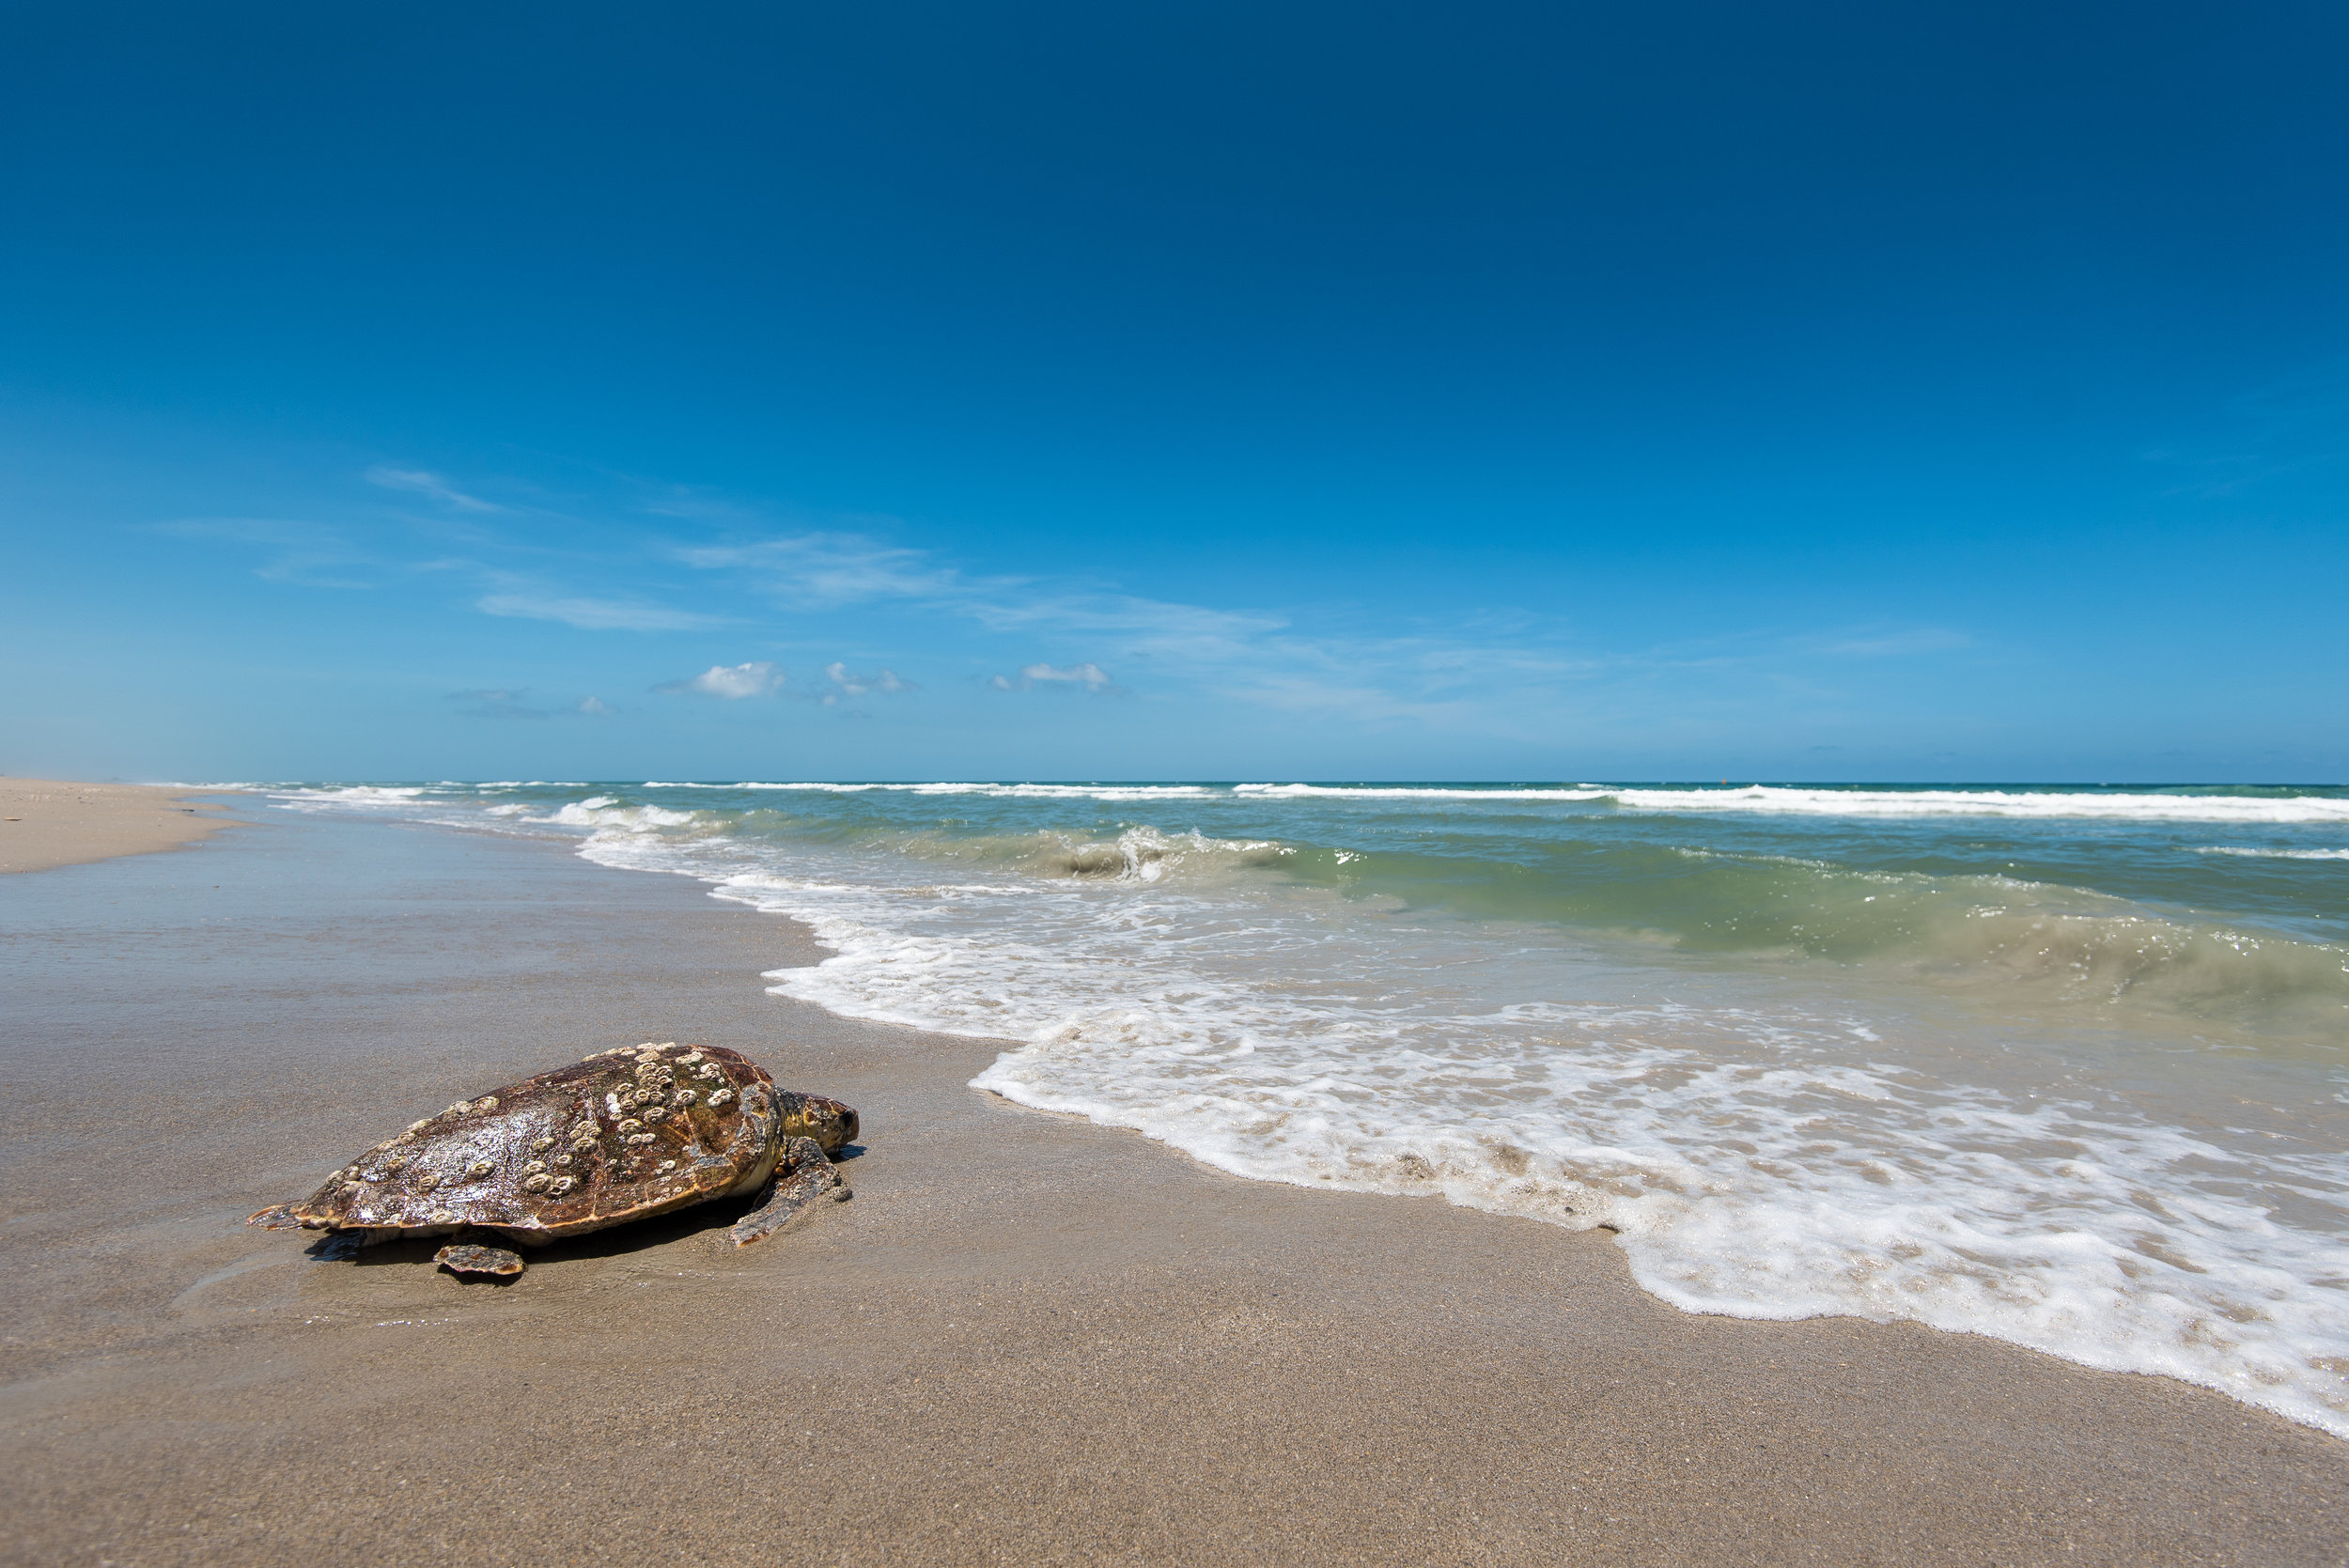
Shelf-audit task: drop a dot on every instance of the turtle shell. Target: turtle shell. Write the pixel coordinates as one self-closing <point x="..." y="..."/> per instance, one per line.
<point x="623" y="1135"/>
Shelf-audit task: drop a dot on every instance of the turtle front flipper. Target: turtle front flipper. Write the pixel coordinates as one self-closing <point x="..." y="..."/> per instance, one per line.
<point x="277" y="1217"/>
<point x="802" y="1175"/>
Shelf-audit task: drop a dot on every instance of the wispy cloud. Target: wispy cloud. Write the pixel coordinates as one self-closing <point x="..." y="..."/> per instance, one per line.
<point x="1087" y="676"/>
<point x="846" y="684"/>
<point x="752" y="678"/>
<point x="837" y="568"/>
<point x="2291" y="428"/>
<point x="1896" y="645"/>
<point x="496" y="703"/>
<point x="303" y="555"/>
<point x="595" y="615"/>
<point x="420" y="482"/>
<point x="826" y="569"/>
<point x="1494" y="672"/>
<point x="512" y="703"/>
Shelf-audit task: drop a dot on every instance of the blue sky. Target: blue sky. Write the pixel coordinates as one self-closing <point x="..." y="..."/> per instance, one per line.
<point x="1500" y="391"/>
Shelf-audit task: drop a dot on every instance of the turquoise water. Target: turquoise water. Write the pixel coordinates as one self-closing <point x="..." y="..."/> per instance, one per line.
<point x="2063" y="1066"/>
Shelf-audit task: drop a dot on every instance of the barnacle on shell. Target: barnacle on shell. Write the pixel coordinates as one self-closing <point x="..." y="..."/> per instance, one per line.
<point x="683" y="1098"/>
<point x="719" y="1100"/>
<point x="538" y="1182"/>
<point x="563" y="1185"/>
<point x="630" y="1125"/>
<point x="426" y="1182"/>
<point x="533" y="1166"/>
<point x="487" y="1102"/>
<point x="443" y="1216"/>
<point x="478" y="1169"/>
<point x="540" y="1145"/>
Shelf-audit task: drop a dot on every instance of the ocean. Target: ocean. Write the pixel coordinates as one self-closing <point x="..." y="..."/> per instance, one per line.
<point x="2067" y="1066"/>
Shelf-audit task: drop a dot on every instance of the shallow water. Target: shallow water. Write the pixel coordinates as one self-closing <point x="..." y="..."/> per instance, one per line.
<point x="2062" y="1067"/>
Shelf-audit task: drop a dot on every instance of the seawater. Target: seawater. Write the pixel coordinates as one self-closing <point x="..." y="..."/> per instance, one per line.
<point x="2065" y="1066"/>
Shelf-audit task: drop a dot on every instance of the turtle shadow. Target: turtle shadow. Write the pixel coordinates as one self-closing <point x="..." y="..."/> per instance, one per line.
<point x="718" y="1214"/>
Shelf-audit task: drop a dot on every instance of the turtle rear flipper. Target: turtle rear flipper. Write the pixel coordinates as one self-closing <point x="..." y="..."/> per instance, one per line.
<point x="470" y="1253"/>
<point x="802" y="1175"/>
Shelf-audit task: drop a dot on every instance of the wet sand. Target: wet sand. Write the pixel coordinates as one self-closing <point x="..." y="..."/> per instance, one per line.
<point x="1026" y="1339"/>
<point x="45" y="823"/>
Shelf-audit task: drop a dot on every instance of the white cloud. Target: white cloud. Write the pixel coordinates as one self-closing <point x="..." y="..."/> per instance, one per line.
<point x="594" y="614"/>
<point x="846" y="684"/>
<point x="754" y="678"/>
<point x="1089" y="676"/>
<point x="432" y="485"/>
<point x="593" y="705"/>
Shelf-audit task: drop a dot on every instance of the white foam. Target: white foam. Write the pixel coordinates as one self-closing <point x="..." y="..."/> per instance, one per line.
<point x="2276" y="854"/>
<point x="1413" y="792"/>
<point x="607" y="815"/>
<point x="1879" y="802"/>
<point x="348" y="796"/>
<point x="996" y="791"/>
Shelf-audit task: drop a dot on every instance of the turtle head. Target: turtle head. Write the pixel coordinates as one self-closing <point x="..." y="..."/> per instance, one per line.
<point x="825" y="1119"/>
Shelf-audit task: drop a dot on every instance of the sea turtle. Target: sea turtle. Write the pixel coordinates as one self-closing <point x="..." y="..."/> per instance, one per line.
<point x="626" y="1134"/>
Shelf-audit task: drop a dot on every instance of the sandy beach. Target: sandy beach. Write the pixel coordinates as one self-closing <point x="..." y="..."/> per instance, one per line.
<point x="45" y="823"/>
<point x="1027" y="1338"/>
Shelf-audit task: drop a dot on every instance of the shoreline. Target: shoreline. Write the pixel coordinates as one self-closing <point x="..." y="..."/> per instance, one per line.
<point x="48" y="823"/>
<point x="1028" y="1338"/>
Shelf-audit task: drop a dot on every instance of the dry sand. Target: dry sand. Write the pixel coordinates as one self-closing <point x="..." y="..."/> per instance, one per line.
<point x="45" y="824"/>
<point x="1027" y="1338"/>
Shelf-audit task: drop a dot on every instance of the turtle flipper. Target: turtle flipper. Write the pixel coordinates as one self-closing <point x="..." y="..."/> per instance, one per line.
<point x="277" y="1217"/>
<point x="802" y="1175"/>
<point x="470" y="1253"/>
